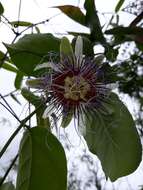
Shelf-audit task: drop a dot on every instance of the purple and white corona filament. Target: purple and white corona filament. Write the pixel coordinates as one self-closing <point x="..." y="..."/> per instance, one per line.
<point x="75" y="84"/>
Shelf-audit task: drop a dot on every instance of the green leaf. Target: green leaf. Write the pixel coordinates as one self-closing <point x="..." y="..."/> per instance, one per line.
<point x="92" y="21"/>
<point x="9" y="67"/>
<point x="73" y="12"/>
<point x="2" y="55"/>
<point x="118" y="6"/>
<point x="42" y="162"/>
<point x="1" y="9"/>
<point x="7" y="186"/>
<point x="120" y="30"/>
<point x="111" y="53"/>
<point x="18" y="80"/>
<point x="114" y="139"/>
<point x="20" y="23"/>
<point x="30" y="50"/>
<point x="139" y="46"/>
<point x="123" y="34"/>
<point x="6" y="63"/>
<point x="24" y="24"/>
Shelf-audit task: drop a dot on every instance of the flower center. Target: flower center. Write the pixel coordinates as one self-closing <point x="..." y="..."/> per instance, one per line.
<point x="76" y="88"/>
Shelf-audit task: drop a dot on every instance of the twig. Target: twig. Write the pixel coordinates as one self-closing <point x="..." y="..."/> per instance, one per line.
<point x="23" y="122"/>
<point x="9" y="94"/>
<point x="137" y="20"/>
<point x="8" y="170"/>
<point x="9" y="108"/>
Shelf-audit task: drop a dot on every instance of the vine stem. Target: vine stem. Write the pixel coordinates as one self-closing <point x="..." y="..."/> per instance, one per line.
<point x="23" y="122"/>
<point x="8" y="170"/>
<point x="9" y="108"/>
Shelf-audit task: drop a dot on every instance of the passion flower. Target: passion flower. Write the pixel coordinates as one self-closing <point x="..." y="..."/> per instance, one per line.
<point x="74" y="85"/>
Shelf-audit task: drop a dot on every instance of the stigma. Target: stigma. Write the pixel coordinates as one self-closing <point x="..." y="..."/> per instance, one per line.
<point x="76" y="88"/>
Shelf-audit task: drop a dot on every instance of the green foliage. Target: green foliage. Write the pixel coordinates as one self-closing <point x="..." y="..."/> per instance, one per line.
<point x="73" y="12"/>
<point x="18" y="80"/>
<point x="93" y="22"/>
<point x="123" y="34"/>
<point x="119" y="5"/>
<point x="2" y="55"/>
<point x="20" y="23"/>
<point x="128" y="74"/>
<point x="9" y="67"/>
<point x="90" y="20"/>
<point x="7" y="186"/>
<point x="16" y="24"/>
<point x="120" y="30"/>
<point x="29" y="50"/>
<point x="112" y="136"/>
<point x="42" y="162"/>
<point x="1" y="9"/>
<point x="111" y="53"/>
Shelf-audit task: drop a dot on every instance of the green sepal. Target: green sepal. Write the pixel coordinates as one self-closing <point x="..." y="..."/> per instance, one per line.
<point x="35" y="83"/>
<point x="66" y="49"/>
<point x="66" y="119"/>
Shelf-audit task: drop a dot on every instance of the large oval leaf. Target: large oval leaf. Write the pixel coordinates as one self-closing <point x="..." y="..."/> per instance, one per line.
<point x="42" y="162"/>
<point x="112" y="136"/>
<point x="29" y="50"/>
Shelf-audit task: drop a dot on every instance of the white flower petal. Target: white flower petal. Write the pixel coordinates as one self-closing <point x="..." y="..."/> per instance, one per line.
<point x="48" y="111"/>
<point x="112" y="86"/>
<point x="43" y="65"/>
<point x="47" y="65"/>
<point x="79" y="48"/>
<point x="82" y="126"/>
